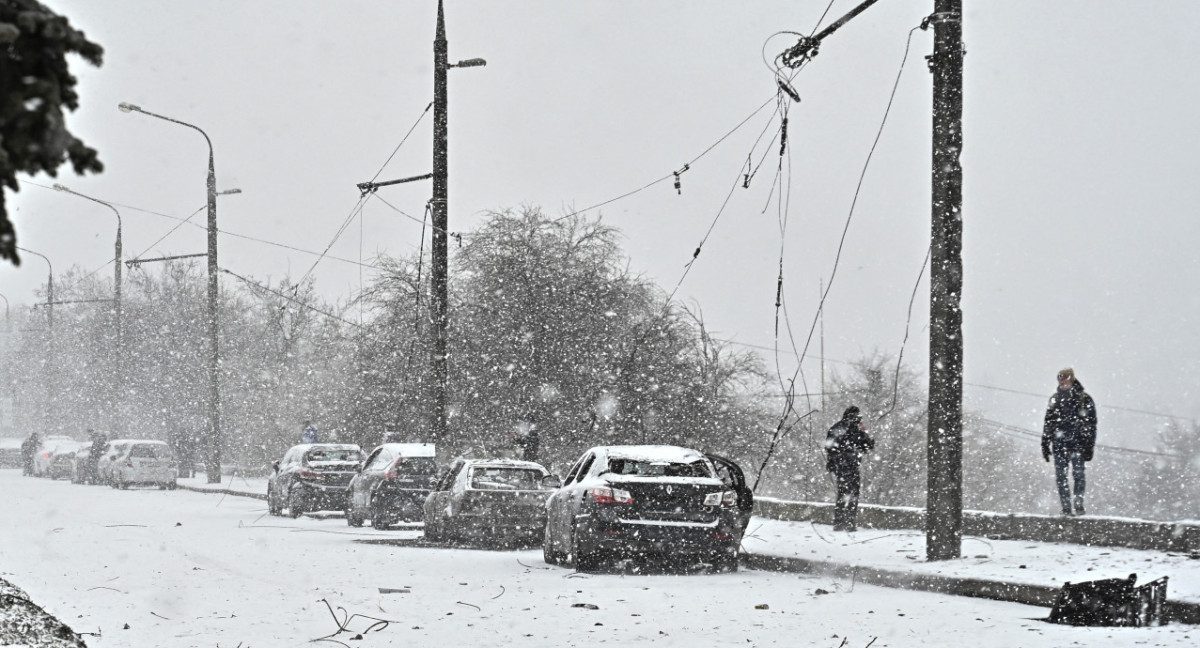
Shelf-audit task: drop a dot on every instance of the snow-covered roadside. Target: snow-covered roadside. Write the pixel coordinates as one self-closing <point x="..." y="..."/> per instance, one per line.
<point x="192" y="569"/>
<point x="1011" y="561"/>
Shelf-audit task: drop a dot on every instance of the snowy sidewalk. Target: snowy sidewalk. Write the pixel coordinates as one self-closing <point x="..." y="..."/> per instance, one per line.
<point x="1012" y="570"/>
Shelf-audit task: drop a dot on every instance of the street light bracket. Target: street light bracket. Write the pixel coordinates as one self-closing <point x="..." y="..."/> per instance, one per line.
<point x="471" y="62"/>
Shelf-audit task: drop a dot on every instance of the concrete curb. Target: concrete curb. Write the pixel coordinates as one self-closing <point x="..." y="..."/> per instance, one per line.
<point x="1039" y="595"/>
<point x="197" y="489"/>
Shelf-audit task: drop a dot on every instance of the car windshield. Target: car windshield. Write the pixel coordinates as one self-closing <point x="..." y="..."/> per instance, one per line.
<point x="641" y="468"/>
<point x="340" y="455"/>
<point x="416" y="466"/>
<point x="502" y="478"/>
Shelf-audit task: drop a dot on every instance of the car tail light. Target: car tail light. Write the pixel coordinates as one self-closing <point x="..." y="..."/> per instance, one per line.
<point x="129" y="463"/>
<point x="606" y="495"/>
<point x="45" y="455"/>
<point x="309" y="473"/>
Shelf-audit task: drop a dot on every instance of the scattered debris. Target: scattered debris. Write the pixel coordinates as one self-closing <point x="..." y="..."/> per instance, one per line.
<point x="820" y="591"/>
<point x="762" y="606"/>
<point x="586" y="606"/>
<point x="394" y="590"/>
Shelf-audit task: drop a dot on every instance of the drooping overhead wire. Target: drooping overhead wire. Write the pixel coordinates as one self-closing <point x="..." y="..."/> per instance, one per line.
<point x="673" y="174"/>
<point x="356" y="211"/>
<point x="857" y="190"/>
<point x="290" y="298"/>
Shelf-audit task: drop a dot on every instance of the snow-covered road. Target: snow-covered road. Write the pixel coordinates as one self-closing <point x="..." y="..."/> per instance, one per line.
<point x="191" y="569"/>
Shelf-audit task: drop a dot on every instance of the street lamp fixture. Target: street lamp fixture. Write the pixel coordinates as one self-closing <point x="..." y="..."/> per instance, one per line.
<point x="212" y="458"/>
<point x="119" y="324"/>
<point x="471" y="62"/>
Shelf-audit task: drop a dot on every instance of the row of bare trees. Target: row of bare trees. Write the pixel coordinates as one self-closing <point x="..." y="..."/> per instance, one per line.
<point x="550" y="331"/>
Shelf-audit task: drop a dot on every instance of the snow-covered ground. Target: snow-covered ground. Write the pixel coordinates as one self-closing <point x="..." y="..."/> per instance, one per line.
<point x="191" y="569"/>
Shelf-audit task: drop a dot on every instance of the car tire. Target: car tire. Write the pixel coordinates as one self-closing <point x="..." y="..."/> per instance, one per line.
<point x="172" y="485"/>
<point x="273" y="506"/>
<point x="583" y="560"/>
<point x="378" y="520"/>
<point x="551" y="556"/>
<point x="295" y="502"/>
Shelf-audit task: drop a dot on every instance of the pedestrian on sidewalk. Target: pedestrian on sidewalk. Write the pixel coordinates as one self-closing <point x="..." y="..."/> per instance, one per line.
<point x="1069" y="434"/>
<point x="845" y="445"/>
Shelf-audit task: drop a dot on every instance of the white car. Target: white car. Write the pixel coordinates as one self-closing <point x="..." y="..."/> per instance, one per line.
<point x="144" y="462"/>
<point x="41" y="458"/>
<point x="104" y="467"/>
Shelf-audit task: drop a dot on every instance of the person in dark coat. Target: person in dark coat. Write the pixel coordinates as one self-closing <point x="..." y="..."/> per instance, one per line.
<point x="99" y="445"/>
<point x="528" y="442"/>
<point x="1069" y="434"/>
<point x="845" y="445"/>
<point x="29" y="448"/>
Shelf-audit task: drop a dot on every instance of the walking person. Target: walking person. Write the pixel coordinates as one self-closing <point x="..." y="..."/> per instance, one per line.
<point x="29" y="448"/>
<point x="1069" y="434"/>
<point x="845" y="445"/>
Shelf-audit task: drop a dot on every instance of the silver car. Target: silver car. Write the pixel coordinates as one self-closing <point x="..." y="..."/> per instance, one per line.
<point x="144" y="462"/>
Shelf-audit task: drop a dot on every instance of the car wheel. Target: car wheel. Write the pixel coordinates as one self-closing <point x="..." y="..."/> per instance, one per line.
<point x="551" y="556"/>
<point x="379" y="520"/>
<point x="172" y="485"/>
<point x="583" y="560"/>
<point x="296" y="502"/>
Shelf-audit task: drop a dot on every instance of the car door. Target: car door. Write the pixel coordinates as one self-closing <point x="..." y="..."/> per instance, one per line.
<point x="733" y="477"/>
<point x="368" y="480"/>
<point x="566" y="501"/>
<point x="439" y="500"/>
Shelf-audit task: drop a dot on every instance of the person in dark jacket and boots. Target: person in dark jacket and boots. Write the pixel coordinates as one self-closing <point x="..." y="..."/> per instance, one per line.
<point x="1069" y="434"/>
<point x="845" y="445"/>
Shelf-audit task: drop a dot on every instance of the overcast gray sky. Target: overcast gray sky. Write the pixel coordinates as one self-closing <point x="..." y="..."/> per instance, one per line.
<point x="1080" y="163"/>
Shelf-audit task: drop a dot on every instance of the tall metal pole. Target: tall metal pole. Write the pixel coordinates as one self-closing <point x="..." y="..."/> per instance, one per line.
<point x="50" y="411"/>
<point x="439" y="213"/>
<point x="943" y="524"/>
<point x="119" y="347"/>
<point x="213" y="438"/>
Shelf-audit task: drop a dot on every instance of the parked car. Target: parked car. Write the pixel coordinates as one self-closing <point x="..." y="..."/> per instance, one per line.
<point x="489" y="499"/>
<point x="10" y="453"/>
<point x="392" y="485"/>
<point x="62" y="459"/>
<point x="112" y="449"/>
<point x="41" y="458"/>
<point x="312" y="477"/>
<point x="641" y="501"/>
<point x="143" y="461"/>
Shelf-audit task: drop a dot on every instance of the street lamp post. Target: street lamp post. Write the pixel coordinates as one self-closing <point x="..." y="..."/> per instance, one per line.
<point x="50" y="365"/>
<point x="439" y="214"/>
<point x="119" y="361"/>
<point x="212" y="456"/>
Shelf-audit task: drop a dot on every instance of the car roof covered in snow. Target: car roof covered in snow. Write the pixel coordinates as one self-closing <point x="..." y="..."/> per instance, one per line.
<point x="652" y="453"/>
<point x="305" y="447"/>
<point x="505" y="463"/>
<point x="411" y="449"/>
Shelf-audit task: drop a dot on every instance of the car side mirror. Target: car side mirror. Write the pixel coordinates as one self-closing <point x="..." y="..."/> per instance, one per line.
<point x="551" y="482"/>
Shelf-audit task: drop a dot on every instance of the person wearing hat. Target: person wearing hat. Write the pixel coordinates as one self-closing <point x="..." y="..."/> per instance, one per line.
<point x="1069" y="434"/>
<point x="845" y="445"/>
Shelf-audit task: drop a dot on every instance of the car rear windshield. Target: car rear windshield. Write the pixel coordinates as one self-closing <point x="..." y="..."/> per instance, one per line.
<point x="349" y="455"/>
<point x="416" y="466"/>
<point x="658" y="468"/>
<point x="505" y="479"/>
<point x="150" y="451"/>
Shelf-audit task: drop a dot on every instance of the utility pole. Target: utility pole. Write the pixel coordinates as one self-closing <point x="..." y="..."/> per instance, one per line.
<point x="943" y="509"/>
<point x="439" y="214"/>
